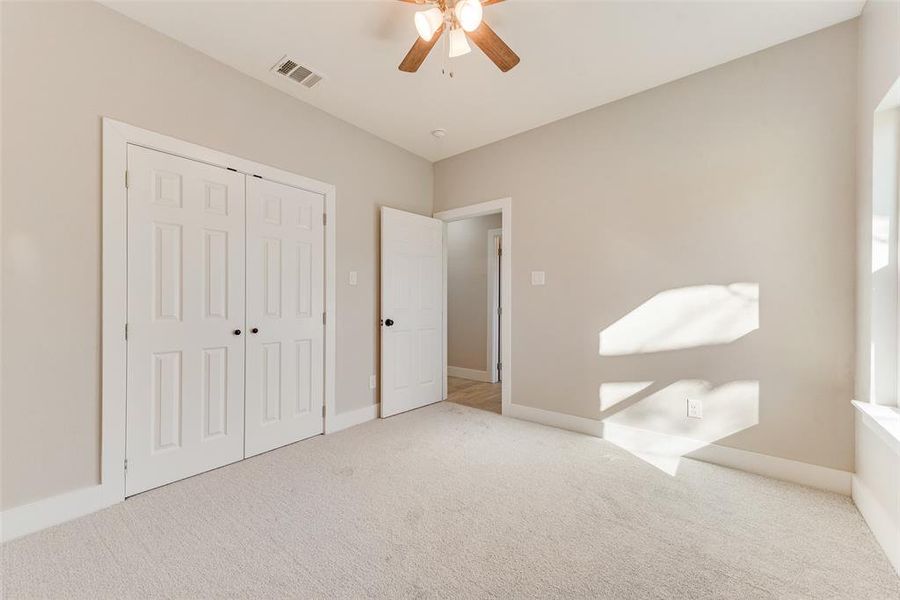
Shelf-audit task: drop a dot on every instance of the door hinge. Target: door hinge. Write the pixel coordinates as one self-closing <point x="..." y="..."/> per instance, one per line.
<point x="324" y="218"/>
<point x="323" y="318"/>
<point x="126" y="180"/>
<point x="499" y="366"/>
<point x="499" y="310"/>
<point x="126" y="465"/>
<point x="499" y="250"/>
<point x="126" y="331"/>
<point x="323" y="410"/>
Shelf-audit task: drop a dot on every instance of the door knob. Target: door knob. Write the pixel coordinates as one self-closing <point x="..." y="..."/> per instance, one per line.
<point x="254" y="330"/>
<point x="237" y="332"/>
<point x="389" y="322"/>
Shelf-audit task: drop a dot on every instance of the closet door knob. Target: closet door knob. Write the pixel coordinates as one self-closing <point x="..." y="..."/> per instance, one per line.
<point x="254" y="330"/>
<point x="389" y="322"/>
<point x="237" y="332"/>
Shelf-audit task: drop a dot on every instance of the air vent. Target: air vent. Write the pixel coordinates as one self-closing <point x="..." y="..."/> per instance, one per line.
<point x="294" y="70"/>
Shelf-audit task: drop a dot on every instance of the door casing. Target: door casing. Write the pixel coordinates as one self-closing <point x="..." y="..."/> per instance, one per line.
<point x="494" y="238"/>
<point x="116" y="138"/>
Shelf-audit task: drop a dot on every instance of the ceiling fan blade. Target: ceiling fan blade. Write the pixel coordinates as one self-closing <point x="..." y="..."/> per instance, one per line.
<point x="495" y="48"/>
<point x="416" y="55"/>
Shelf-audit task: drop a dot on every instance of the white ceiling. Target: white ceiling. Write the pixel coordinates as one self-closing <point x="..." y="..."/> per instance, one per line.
<point x="575" y="56"/>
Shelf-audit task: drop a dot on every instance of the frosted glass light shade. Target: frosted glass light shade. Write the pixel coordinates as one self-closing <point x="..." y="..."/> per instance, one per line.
<point x="469" y="14"/>
<point x="427" y="22"/>
<point x="458" y="43"/>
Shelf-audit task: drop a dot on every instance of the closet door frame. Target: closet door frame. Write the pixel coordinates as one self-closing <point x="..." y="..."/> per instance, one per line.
<point x="117" y="136"/>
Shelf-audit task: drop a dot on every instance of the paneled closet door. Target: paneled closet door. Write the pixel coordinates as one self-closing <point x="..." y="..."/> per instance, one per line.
<point x="185" y="383"/>
<point x="285" y="307"/>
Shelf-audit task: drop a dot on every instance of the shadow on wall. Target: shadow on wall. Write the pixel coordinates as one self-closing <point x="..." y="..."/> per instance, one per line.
<point x="649" y="418"/>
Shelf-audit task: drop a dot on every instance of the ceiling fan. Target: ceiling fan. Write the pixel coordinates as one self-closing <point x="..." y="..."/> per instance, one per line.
<point x="463" y="18"/>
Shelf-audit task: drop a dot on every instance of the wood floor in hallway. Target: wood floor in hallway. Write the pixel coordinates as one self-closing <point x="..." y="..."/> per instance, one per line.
<point x="477" y="394"/>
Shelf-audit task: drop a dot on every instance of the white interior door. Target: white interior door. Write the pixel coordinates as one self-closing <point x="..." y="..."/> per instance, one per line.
<point x="285" y="315"/>
<point x="412" y="311"/>
<point x="185" y="382"/>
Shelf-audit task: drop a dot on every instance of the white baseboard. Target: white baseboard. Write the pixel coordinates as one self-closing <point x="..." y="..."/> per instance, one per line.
<point x="473" y="374"/>
<point x="816" y="476"/>
<point x="351" y="418"/>
<point x="876" y="484"/>
<point x="554" y="419"/>
<point x="22" y="520"/>
<point x="880" y="522"/>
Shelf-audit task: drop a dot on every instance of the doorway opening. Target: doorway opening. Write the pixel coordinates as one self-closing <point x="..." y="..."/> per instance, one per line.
<point x="476" y="300"/>
<point x="474" y="251"/>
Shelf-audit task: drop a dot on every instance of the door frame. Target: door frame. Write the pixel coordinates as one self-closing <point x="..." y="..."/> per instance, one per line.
<point x="114" y="279"/>
<point x="502" y="206"/>
<point x="493" y="302"/>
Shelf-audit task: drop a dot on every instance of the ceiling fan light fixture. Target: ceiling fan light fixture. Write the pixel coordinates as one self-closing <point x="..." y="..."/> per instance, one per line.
<point x="469" y="14"/>
<point x="428" y="21"/>
<point x="458" y="43"/>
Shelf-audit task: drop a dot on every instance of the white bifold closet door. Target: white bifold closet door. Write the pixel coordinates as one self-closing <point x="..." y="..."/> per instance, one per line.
<point x="285" y="315"/>
<point x="412" y="311"/>
<point x="185" y="385"/>
<point x="225" y="331"/>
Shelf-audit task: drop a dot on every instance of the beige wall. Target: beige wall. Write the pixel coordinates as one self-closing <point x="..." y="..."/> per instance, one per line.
<point x="468" y="328"/>
<point x="679" y="201"/>
<point x="64" y="67"/>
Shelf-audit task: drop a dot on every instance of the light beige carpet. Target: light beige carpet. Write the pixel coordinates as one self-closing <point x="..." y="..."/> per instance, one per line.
<point x="454" y="502"/>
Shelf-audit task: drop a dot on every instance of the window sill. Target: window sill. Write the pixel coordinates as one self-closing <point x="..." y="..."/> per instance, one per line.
<point x="883" y="420"/>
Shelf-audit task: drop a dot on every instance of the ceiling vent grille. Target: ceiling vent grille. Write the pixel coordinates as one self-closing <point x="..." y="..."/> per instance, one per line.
<point x="297" y="72"/>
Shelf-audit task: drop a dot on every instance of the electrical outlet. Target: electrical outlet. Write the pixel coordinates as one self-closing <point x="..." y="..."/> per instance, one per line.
<point x="538" y="278"/>
<point x="373" y="382"/>
<point x="694" y="408"/>
<point x="353" y="278"/>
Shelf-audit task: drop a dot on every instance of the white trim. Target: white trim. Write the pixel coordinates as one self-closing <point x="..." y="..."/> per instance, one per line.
<point x="114" y="286"/>
<point x="22" y="520"/>
<point x="493" y="303"/>
<point x="879" y="520"/>
<point x="552" y="418"/>
<point x="876" y="484"/>
<point x="473" y="374"/>
<point x="330" y="306"/>
<point x="884" y="421"/>
<point x="116" y="138"/>
<point x="504" y="207"/>
<point x="784" y="469"/>
<point x="794" y="471"/>
<point x="352" y="418"/>
<point x="444" y="309"/>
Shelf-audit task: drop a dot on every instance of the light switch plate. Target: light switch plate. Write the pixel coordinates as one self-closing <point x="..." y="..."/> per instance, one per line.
<point x="353" y="278"/>
<point x="537" y="278"/>
<point x="372" y="382"/>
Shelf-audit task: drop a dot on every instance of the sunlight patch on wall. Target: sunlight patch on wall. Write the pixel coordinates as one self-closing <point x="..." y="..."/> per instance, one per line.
<point x="613" y="392"/>
<point x="686" y="317"/>
<point x="658" y="431"/>
<point x="662" y="451"/>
